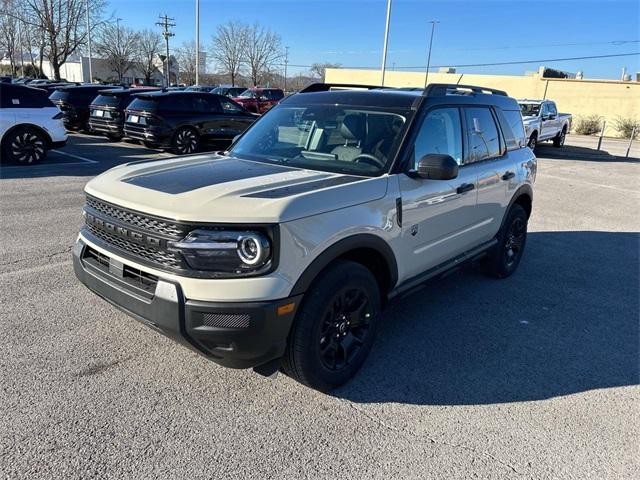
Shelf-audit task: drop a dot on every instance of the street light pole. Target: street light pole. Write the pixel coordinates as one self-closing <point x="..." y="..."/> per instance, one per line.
<point x="89" y="41"/>
<point x="197" y="42"/>
<point x="426" y="77"/>
<point x="386" y="40"/>
<point x="286" y="62"/>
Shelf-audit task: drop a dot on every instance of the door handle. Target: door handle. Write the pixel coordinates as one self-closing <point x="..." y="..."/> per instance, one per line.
<point x="465" y="187"/>
<point x="508" y="175"/>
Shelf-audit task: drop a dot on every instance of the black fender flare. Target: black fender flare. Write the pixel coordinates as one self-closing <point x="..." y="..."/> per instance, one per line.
<point x="523" y="189"/>
<point x="340" y="248"/>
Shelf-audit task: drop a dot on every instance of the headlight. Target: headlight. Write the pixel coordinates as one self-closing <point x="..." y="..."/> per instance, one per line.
<point x="226" y="251"/>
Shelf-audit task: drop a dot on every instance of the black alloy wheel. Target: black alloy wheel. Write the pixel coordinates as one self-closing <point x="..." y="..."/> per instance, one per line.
<point x="25" y="146"/>
<point x="345" y="326"/>
<point x="185" y="141"/>
<point x="533" y="142"/>
<point x="515" y="239"/>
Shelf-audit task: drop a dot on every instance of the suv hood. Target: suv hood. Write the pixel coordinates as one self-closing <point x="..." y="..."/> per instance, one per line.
<point x="218" y="189"/>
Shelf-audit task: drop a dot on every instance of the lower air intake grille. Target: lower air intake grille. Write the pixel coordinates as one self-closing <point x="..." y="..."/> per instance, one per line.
<point x="226" y="320"/>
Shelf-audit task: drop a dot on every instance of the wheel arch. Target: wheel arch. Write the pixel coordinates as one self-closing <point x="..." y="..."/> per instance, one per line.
<point x="366" y="249"/>
<point x="37" y="128"/>
<point x="522" y="197"/>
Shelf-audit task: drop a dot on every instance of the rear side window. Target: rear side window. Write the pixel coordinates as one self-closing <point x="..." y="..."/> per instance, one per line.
<point x="512" y="128"/>
<point x="24" y="97"/>
<point x="228" y="106"/>
<point x="484" y="139"/>
<point x="441" y="132"/>
<point x="180" y="104"/>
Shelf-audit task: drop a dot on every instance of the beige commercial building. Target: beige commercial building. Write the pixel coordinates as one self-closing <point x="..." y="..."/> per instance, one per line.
<point x="609" y="99"/>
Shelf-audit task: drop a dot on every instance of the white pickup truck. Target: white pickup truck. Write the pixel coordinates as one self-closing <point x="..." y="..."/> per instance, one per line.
<point x="543" y="122"/>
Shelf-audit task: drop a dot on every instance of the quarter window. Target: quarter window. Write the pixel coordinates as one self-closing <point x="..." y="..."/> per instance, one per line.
<point x="484" y="140"/>
<point x="441" y="132"/>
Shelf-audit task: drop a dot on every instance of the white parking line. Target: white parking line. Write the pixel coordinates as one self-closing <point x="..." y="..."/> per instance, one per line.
<point x="78" y="157"/>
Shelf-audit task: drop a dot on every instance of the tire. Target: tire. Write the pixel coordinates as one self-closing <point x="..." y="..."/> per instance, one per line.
<point x="533" y="141"/>
<point x="24" y="146"/>
<point x="505" y="257"/>
<point x="325" y="349"/>
<point x="185" y="141"/>
<point x="114" y="137"/>
<point x="558" y="140"/>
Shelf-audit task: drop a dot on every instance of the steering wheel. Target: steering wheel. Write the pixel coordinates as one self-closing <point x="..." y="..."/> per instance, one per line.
<point x="369" y="160"/>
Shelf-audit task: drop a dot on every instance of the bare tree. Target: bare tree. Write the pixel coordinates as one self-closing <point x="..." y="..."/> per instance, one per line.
<point x="318" y="70"/>
<point x="262" y="51"/>
<point x="9" y="41"/>
<point x="149" y="47"/>
<point x="117" y="45"/>
<point x="186" y="57"/>
<point x="63" y="23"/>
<point x="228" y="46"/>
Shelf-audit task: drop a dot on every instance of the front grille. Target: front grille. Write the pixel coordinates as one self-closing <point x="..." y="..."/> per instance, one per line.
<point x="162" y="258"/>
<point x="135" y="234"/>
<point x="137" y="220"/>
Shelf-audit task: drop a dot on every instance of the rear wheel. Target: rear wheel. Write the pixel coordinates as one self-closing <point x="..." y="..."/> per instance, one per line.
<point x="185" y="141"/>
<point x="24" y="146"/>
<point x="505" y="257"/>
<point x="558" y="140"/>
<point x="533" y="141"/>
<point x="334" y="328"/>
<point x="114" y="137"/>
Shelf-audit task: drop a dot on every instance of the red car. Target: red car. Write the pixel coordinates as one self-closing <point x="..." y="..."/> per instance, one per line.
<point x="259" y="100"/>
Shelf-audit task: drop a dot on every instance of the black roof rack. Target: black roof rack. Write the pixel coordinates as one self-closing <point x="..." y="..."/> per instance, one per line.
<point x="438" y="89"/>
<point x="325" y="87"/>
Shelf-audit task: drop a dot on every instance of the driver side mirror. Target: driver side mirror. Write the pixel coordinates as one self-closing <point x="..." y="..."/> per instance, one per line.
<point x="435" y="166"/>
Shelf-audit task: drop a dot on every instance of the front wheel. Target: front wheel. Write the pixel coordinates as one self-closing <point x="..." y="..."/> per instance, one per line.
<point x="24" y="146"/>
<point x="185" y="141"/>
<point x="334" y="328"/>
<point x="533" y="141"/>
<point x="505" y="257"/>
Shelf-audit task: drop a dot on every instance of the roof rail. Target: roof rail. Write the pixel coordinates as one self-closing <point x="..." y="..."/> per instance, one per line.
<point x="325" y="87"/>
<point x="439" y="89"/>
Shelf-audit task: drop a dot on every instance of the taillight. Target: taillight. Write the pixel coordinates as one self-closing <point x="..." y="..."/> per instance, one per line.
<point x="58" y="116"/>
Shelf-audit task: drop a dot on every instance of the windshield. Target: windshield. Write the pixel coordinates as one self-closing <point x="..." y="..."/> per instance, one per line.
<point x="144" y="104"/>
<point x="107" y="100"/>
<point x="342" y="139"/>
<point x="530" y="109"/>
<point x="248" y="94"/>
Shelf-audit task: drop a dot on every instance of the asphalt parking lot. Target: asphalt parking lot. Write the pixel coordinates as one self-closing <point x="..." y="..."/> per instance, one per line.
<point x="531" y="377"/>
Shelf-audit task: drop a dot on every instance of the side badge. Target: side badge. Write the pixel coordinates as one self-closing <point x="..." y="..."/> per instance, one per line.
<point x="414" y="230"/>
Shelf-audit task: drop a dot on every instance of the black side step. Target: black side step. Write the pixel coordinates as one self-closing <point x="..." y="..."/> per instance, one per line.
<point x="440" y="270"/>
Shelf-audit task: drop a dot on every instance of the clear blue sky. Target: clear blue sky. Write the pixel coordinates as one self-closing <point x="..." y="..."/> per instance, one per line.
<point x="350" y="32"/>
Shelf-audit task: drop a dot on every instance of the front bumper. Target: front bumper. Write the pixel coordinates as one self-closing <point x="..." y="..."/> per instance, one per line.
<point x="233" y="334"/>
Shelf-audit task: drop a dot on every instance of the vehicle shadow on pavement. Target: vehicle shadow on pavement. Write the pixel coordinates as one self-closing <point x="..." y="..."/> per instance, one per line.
<point x="570" y="152"/>
<point x="565" y="322"/>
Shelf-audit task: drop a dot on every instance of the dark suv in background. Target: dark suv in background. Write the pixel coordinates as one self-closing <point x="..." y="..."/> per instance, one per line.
<point x="183" y="121"/>
<point x="259" y="100"/>
<point x="228" y="91"/>
<point x="107" y="110"/>
<point x="74" y="103"/>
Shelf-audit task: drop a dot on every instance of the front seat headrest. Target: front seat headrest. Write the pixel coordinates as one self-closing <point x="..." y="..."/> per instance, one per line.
<point x="352" y="127"/>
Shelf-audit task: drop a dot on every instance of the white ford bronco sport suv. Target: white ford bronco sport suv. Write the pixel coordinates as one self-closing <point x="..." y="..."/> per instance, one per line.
<point x="282" y="251"/>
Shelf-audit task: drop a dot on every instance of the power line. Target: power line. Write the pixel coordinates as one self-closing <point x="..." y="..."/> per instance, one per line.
<point x="165" y="23"/>
<point x="547" y="60"/>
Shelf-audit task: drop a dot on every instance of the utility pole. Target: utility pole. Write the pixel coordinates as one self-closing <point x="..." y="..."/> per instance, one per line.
<point x="426" y="77"/>
<point x="89" y="40"/>
<point x="165" y="23"/>
<point x="286" y="62"/>
<point x="386" y="40"/>
<point x="197" y="42"/>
